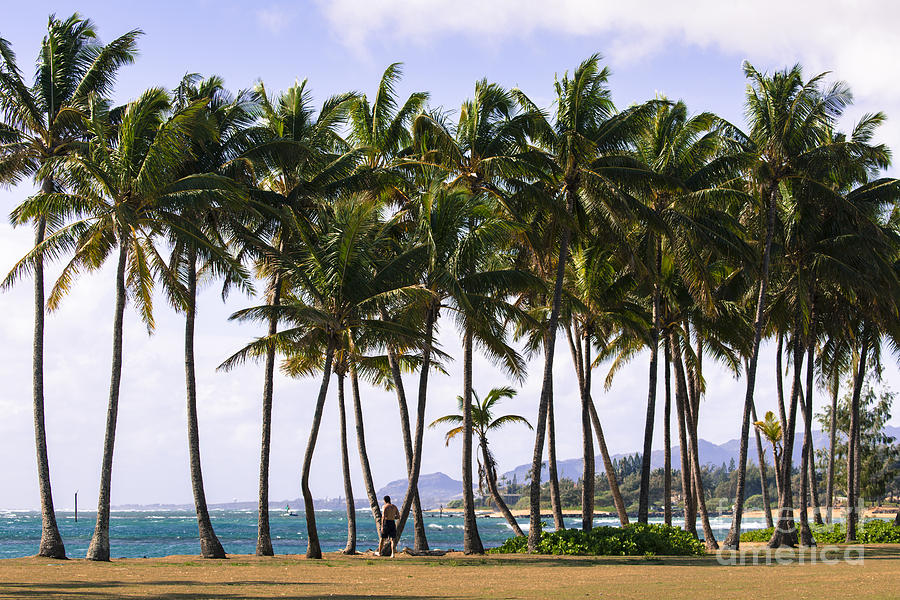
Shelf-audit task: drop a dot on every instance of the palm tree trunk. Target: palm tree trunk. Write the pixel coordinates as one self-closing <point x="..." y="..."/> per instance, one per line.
<point x="51" y="541"/>
<point x="832" y="431"/>
<point x="587" y="441"/>
<point x="210" y="547"/>
<point x="495" y="492"/>
<point x="420" y="543"/>
<point x="534" y="531"/>
<point x="667" y="440"/>
<point x="263" y="536"/>
<point x="350" y="548"/>
<point x="810" y="472"/>
<point x="431" y="316"/>
<point x="785" y="533"/>
<point x="552" y="475"/>
<point x="733" y="540"/>
<point x="471" y="539"/>
<point x="99" y="547"/>
<point x="806" y="538"/>
<point x="763" y="478"/>
<point x="779" y="379"/>
<point x="853" y="442"/>
<point x="313" y="550"/>
<point x="644" y="501"/>
<point x="690" y="517"/>
<point x="709" y="538"/>
<point x="363" y="453"/>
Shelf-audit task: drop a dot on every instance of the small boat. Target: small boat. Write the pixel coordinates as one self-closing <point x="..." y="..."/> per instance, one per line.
<point x="288" y="512"/>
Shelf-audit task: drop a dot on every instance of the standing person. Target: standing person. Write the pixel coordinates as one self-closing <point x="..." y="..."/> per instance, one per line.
<point x="389" y="516"/>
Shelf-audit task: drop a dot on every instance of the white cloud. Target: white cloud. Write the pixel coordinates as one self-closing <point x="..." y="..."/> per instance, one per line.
<point x="857" y="40"/>
<point x="275" y="18"/>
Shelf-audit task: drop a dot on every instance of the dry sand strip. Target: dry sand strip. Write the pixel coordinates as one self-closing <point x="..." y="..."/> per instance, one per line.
<point x="450" y="576"/>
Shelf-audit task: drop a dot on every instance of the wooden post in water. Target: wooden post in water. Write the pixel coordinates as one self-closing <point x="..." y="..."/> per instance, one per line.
<point x="76" y="506"/>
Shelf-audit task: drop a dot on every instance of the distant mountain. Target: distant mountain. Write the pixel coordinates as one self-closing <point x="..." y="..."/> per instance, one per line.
<point x="710" y="454"/>
<point x="434" y="489"/>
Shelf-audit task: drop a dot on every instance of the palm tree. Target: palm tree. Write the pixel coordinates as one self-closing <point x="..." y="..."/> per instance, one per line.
<point x="586" y="141"/>
<point x="381" y="129"/>
<point x="484" y="422"/>
<point x="122" y="188"/>
<point x="294" y="153"/>
<point x="337" y="287"/>
<point x="770" y="428"/>
<point x="37" y="124"/>
<point x="198" y="235"/>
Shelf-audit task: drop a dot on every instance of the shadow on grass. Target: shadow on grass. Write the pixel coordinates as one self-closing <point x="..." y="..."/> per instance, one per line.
<point x="193" y="590"/>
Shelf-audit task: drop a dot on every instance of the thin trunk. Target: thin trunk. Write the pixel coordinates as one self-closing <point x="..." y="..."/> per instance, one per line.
<point x="810" y="472"/>
<point x="420" y="543"/>
<point x="350" y="548"/>
<point x="51" y="541"/>
<point x="763" y="477"/>
<point x="779" y="380"/>
<point x="806" y="538"/>
<point x="690" y="517"/>
<point x="471" y="539"/>
<point x="667" y="440"/>
<point x="552" y="474"/>
<point x="832" y="431"/>
<point x="491" y="473"/>
<point x="210" y="547"/>
<point x="733" y="540"/>
<point x="709" y="538"/>
<point x="580" y="367"/>
<point x="785" y="533"/>
<point x="263" y="536"/>
<point x="852" y="443"/>
<point x="413" y="481"/>
<point x="644" y="498"/>
<point x="313" y="550"/>
<point x="587" y="443"/>
<point x="99" y="547"/>
<point x="363" y="453"/>
<point x="534" y="531"/>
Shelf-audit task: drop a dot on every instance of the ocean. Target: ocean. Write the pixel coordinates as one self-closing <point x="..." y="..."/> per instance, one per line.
<point x="162" y="533"/>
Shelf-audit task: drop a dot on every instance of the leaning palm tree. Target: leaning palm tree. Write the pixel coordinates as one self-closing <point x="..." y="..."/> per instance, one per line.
<point x="337" y="287"/>
<point x="199" y="234"/>
<point x="292" y="154"/>
<point x="38" y="123"/>
<point x="121" y="188"/>
<point x="587" y="142"/>
<point x="483" y="423"/>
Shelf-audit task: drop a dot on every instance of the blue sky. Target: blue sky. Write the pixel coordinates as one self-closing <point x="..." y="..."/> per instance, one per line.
<point x="687" y="50"/>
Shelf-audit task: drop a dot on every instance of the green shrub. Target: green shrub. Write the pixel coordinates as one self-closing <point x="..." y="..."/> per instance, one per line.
<point x="875" y="531"/>
<point x="632" y="540"/>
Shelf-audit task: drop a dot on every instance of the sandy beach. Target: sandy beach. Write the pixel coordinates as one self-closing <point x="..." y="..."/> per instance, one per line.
<point x="450" y="576"/>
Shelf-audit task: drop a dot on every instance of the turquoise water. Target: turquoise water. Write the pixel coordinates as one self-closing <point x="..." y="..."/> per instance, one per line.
<point x="162" y="533"/>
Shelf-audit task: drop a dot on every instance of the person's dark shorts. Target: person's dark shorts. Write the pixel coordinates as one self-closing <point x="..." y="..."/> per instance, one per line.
<point x="388" y="529"/>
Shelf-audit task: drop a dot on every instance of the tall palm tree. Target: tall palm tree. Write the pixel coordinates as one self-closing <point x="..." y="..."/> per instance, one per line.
<point x="293" y="154"/>
<point x="484" y="422"/>
<point x="381" y="129"/>
<point x="39" y="123"/>
<point x="199" y="234"/>
<point x="121" y="189"/>
<point x="337" y="287"/>
<point x="587" y="142"/>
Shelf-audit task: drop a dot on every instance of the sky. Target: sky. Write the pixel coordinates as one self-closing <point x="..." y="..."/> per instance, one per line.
<point x="690" y="50"/>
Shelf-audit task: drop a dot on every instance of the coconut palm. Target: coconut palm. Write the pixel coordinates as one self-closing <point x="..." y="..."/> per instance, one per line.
<point x="341" y="278"/>
<point x="39" y="123"/>
<point x="770" y="428"/>
<point x="294" y="154"/>
<point x="484" y="422"/>
<point x="198" y="234"/>
<point x="587" y="142"/>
